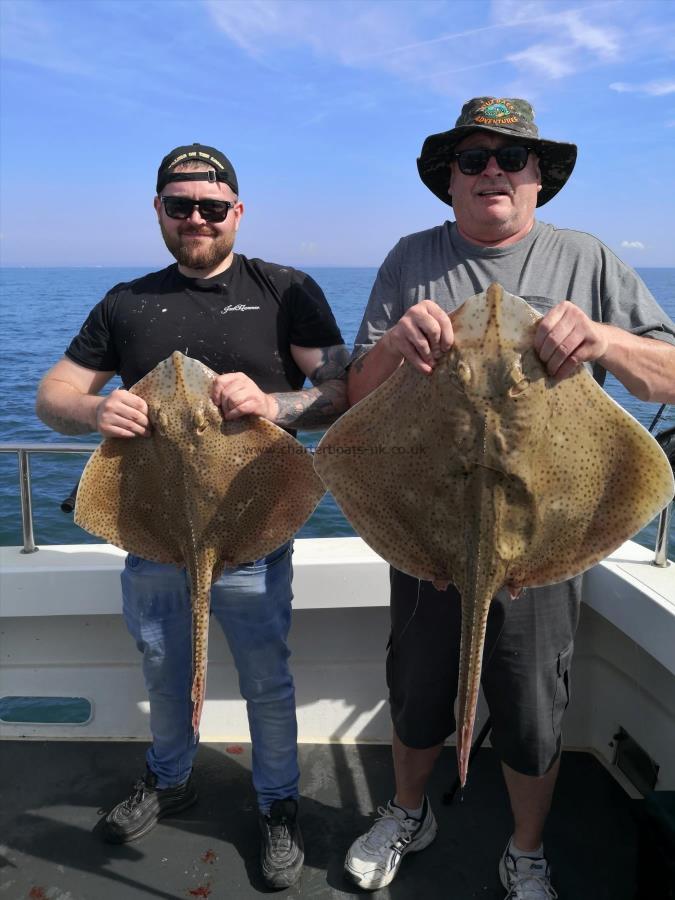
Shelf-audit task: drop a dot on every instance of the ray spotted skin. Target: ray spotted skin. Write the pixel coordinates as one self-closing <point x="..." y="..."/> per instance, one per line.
<point x="490" y="473"/>
<point x="200" y="492"/>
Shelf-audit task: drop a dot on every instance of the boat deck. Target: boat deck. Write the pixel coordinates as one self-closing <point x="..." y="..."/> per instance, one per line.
<point x="56" y="791"/>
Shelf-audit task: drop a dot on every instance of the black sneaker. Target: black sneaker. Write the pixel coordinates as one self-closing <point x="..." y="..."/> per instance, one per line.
<point x="281" y="850"/>
<point x="135" y="816"/>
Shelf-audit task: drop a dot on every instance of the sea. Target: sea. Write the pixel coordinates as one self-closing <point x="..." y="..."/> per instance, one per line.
<point x="41" y="309"/>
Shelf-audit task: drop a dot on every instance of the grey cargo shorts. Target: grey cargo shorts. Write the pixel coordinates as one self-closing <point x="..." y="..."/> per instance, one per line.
<point x="526" y="667"/>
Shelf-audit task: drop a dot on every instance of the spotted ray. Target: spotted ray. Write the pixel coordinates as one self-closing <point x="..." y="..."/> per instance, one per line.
<point x="200" y="492"/>
<point x="488" y="473"/>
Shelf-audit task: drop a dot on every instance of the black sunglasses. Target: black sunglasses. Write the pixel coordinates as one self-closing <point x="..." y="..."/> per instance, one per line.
<point x="209" y="210"/>
<point x="511" y="158"/>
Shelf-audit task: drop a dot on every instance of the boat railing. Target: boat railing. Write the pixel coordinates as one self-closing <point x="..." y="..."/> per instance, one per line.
<point x="24" y="450"/>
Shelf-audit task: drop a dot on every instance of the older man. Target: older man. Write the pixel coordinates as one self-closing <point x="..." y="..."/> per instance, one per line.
<point x="264" y="327"/>
<point x="494" y="170"/>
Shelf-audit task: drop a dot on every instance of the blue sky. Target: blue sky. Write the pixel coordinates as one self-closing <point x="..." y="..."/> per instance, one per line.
<point x="322" y="107"/>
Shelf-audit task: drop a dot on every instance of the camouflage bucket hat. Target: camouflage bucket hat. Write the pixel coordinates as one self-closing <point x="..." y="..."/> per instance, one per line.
<point x="510" y="117"/>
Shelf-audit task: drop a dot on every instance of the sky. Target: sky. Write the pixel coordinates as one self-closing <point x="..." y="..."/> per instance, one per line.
<point x="322" y="107"/>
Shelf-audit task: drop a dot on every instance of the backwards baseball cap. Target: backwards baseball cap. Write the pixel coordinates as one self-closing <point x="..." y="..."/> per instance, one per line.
<point x="512" y="118"/>
<point x="222" y="170"/>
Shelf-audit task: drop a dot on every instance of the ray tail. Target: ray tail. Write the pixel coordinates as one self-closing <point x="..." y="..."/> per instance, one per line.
<point x="474" y="622"/>
<point x="483" y="576"/>
<point x="201" y="577"/>
<point x="200" y="639"/>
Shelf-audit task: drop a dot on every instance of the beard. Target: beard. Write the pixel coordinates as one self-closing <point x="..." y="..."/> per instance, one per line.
<point x="198" y="255"/>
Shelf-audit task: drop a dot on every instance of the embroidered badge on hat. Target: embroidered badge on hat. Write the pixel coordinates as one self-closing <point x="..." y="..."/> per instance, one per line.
<point x="496" y="112"/>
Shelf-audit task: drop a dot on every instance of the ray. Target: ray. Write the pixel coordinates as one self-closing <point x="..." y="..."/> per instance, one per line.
<point x="199" y="492"/>
<point x="487" y="473"/>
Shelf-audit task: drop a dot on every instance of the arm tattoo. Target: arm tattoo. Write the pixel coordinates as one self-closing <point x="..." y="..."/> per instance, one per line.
<point x="358" y="364"/>
<point x="333" y="364"/>
<point x="317" y="407"/>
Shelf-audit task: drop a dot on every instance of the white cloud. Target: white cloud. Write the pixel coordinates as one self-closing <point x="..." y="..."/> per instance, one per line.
<point x="357" y="34"/>
<point x="403" y="38"/>
<point x="603" y="41"/>
<point x="651" y="88"/>
<point x="633" y="245"/>
<point x="546" y="60"/>
<point x="574" y="43"/>
<point x="30" y="36"/>
<point x="331" y="30"/>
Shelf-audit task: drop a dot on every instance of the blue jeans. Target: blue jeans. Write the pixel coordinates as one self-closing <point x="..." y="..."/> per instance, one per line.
<point x="253" y="606"/>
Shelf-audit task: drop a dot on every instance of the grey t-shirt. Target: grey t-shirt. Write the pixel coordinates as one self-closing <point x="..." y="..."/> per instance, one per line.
<point x="547" y="266"/>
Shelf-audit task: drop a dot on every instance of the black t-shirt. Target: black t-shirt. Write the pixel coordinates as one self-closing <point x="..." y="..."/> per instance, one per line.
<point x="243" y="320"/>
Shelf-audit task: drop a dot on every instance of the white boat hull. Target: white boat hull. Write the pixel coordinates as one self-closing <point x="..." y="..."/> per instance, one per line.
<point x="63" y="636"/>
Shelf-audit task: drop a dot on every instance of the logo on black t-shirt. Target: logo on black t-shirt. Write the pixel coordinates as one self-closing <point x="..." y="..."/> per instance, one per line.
<point x="237" y="307"/>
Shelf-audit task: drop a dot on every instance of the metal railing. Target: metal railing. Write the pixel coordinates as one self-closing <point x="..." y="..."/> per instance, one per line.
<point x="662" y="532"/>
<point x="29" y="546"/>
<point x="23" y="451"/>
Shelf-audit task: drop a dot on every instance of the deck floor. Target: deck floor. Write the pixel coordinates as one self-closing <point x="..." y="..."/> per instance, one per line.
<point x="54" y="793"/>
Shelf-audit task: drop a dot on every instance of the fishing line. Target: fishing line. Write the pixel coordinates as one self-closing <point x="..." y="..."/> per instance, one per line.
<point x="412" y="615"/>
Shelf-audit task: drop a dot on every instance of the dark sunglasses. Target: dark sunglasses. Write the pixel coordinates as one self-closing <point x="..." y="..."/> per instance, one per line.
<point x="209" y="210"/>
<point x="511" y="158"/>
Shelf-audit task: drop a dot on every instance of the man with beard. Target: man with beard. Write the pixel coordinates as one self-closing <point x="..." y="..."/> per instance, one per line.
<point x="263" y="328"/>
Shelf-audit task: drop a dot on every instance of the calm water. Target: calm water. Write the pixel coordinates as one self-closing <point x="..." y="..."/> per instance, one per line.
<point x="41" y="309"/>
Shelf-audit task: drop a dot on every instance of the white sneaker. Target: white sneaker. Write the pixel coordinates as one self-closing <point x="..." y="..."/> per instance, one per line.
<point x="525" y="878"/>
<point x="374" y="858"/>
